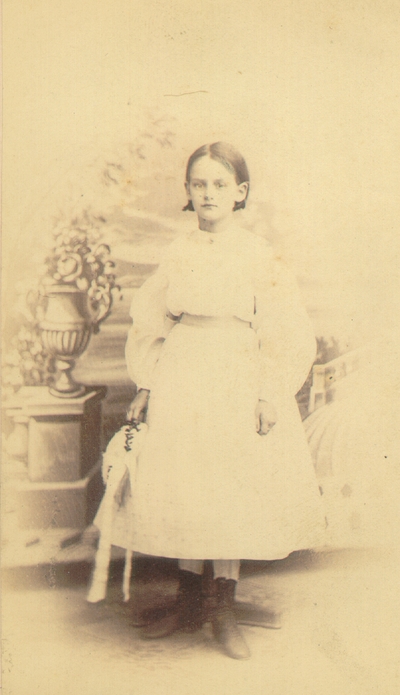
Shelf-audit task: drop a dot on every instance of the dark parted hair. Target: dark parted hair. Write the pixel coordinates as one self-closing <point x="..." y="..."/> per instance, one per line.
<point x="229" y="157"/>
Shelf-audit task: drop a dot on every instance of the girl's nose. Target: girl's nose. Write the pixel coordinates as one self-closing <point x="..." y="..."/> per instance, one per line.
<point x="207" y="193"/>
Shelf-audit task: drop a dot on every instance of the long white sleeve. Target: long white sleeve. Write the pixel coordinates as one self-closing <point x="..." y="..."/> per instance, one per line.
<point x="286" y="339"/>
<point x="149" y="329"/>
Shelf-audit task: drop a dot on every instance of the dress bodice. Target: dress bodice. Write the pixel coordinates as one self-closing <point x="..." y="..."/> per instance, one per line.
<point x="211" y="275"/>
<point x="227" y="274"/>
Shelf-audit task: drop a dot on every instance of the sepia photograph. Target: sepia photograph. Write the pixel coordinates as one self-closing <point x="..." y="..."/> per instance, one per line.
<point x="200" y="476"/>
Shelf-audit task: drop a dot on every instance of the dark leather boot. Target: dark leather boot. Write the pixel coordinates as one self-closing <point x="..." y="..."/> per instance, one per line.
<point x="186" y="614"/>
<point x="223" y="622"/>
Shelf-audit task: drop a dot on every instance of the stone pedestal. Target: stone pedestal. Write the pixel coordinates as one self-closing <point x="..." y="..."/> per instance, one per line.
<point x="62" y="486"/>
<point x="73" y="504"/>
<point x="63" y="436"/>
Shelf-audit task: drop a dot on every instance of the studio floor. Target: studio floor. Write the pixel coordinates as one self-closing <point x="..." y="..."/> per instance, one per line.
<point x="340" y="631"/>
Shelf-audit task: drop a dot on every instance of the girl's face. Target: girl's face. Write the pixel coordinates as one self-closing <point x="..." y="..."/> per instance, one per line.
<point x="213" y="189"/>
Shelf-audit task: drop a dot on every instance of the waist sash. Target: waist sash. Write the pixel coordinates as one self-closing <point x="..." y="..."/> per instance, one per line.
<point x="213" y="321"/>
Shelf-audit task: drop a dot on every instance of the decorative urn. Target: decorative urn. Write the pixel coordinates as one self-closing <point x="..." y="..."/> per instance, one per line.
<point x="78" y="296"/>
<point x="66" y="331"/>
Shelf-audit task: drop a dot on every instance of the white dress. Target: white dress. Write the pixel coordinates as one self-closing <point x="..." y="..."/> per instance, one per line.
<point x="207" y="485"/>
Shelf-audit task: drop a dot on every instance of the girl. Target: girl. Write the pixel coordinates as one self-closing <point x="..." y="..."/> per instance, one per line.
<point x="219" y="346"/>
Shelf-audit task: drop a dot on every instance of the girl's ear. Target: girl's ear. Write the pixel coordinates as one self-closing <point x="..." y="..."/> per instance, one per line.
<point x="242" y="191"/>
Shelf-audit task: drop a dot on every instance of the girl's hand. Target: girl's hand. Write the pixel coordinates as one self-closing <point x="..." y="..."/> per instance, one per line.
<point x="138" y="405"/>
<point x="265" y="417"/>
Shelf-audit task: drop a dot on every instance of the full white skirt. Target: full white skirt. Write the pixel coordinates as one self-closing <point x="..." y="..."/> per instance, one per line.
<point x="207" y="485"/>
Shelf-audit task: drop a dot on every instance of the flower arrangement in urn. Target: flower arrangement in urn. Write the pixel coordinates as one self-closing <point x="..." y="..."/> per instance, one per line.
<point x="78" y="287"/>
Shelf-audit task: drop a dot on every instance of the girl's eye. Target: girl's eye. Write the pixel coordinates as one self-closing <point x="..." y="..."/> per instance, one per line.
<point x="197" y="185"/>
<point x="220" y="185"/>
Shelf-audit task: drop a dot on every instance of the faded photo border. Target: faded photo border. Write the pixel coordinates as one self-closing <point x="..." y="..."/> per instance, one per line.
<point x="102" y="105"/>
